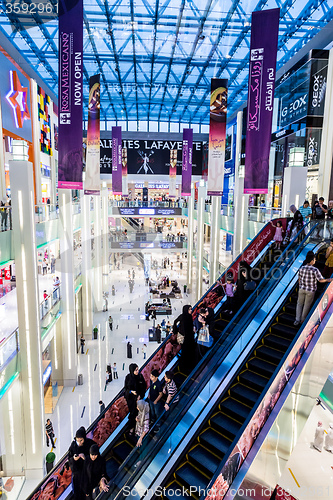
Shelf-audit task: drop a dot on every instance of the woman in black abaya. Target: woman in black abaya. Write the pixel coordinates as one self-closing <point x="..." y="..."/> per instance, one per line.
<point x="188" y="358"/>
<point x="135" y="388"/>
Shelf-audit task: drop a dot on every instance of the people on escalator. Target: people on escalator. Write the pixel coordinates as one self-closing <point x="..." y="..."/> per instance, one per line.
<point x="306" y="211"/>
<point x="229" y="289"/>
<point x="278" y="235"/>
<point x="142" y="421"/>
<point x="154" y="396"/>
<point x="135" y="388"/>
<point x="184" y="325"/>
<point x="328" y="269"/>
<point x="319" y="211"/>
<point x="308" y="275"/>
<point x="77" y="454"/>
<point x="330" y="218"/>
<point x="94" y="478"/>
<point x="245" y="285"/>
<point x="294" y="226"/>
<point x="170" y="390"/>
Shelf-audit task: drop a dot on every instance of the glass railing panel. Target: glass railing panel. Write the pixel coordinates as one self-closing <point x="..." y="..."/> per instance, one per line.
<point x="9" y="347"/>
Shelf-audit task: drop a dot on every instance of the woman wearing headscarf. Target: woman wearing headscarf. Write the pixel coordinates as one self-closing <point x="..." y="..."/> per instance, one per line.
<point x="188" y="358"/>
<point x="142" y="421"/>
<point x="95" y="478"/>
<point x="135" y="388"/>
<point x="77" y="454"/>
<point x="295" y="225"/>
<point x="244" y="275"/>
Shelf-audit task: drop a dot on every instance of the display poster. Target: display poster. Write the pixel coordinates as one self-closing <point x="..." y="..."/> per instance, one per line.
<point x="92" y="182"/>
<point x="260" y="100"/>
<point x="70" y="96"/>
<point x="116" y="161"/>
<point x="217" y="135"/>
<point x="124" y="171"/>
<point x="172" y="173"/>
<point x="187" y="161"/>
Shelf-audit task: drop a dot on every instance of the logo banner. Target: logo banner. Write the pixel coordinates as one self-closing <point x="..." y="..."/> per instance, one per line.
<point x="172" y="173"/>
<point x="116" y="161"/>
<point x="92" y="179"/>
<point x="187" y="161"/>
<point x="124" y="172"/>
<point x="262" y="68"/>
<point x="217" y="135"/>
<point x="70" y="97"/>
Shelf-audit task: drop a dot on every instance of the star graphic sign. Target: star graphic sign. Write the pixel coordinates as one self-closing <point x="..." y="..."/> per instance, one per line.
<point x="17" y="98"/>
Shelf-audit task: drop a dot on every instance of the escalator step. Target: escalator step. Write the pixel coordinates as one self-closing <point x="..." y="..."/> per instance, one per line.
<point x="169" y="492"/>
<point x="112" y="466"/>
<point x="221" y="323"/>
<point x="276" y="342"/>
<point x="122" y="450"/>
<point x="244" y="394"/>
<point x="253" y="380"/>
<point x="261" y="367"/>
<point x="235" y="409"/>
<point x="269" y="354"/>
<point x="290" y="308"/>
<point x="212" y="440"/>
<point x="179" y="378"/>
<point x="224" y="424"/>
<point x="284" y="331"/>
<point x="188" y="476"/>
<point x="286" y="319"/>
<point x="204" y="460"/>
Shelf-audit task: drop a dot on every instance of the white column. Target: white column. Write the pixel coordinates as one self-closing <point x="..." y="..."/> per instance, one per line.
<point x="326" y="148"/>
<point x="214" y="254"/>
<point x="200" y="236"/>
<point x="190" y="204"/>
<point x="241" y="200"/>
<point x="294" y="187"/>
<point x="24" y="240"/>
<point x="98" y="265"/>
<point x="105" y="238"/>
<point x="36" y="141"/>
<point x="2" y="164"/>
<point x="69" y="356"/>
<point x="86" y="273"/>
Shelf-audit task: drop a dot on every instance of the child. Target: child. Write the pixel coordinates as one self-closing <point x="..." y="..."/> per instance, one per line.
<point x="230" y="288"/>
<point x="114" y="370"/>
<point x="144" y="351"/>
<point x="278" y="238"/>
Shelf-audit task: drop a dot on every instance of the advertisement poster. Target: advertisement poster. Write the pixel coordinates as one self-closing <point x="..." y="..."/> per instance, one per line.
<point x="70" y="97"/>
<point x="260" y="100"/>
<point x="217" y="135"/>
<point x="187" y="161"/>
<point x="116" y="161"/>
<point x="92" y="180"/>
<point x="172" y="173"/>
<point x="124" y="171"/>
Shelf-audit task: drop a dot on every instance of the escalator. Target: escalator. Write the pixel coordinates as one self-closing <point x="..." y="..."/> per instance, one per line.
<point x="133" y="223"/>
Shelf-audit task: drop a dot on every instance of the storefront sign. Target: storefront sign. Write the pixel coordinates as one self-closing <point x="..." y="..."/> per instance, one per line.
<point x="116" y="161"/>
<point x="217" y="136"/>
<point x="92" y="179"/>
<point x="187" y="161"/>
<point x="318" y="84"/>
<point x="136" y="211"/>
<point x="263" y="50"/>
<point x="70" y="97"/>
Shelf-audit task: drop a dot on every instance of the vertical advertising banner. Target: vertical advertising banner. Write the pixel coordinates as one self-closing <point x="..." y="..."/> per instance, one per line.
<point x="124" y="172"/>
<point x="116" y="161"/>
<point x="172" y="173"/>
<point x="70" y="95"/>
<point x="92" y="179"/>
<point x="217" y="135"/>
<point x="262" y="68"/>
<point x="187" y="161"/>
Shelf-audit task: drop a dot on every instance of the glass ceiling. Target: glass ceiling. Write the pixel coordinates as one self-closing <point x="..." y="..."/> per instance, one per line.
<point x="156" y="58"/>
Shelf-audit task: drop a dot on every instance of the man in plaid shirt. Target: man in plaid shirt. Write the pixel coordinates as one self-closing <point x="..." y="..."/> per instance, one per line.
<point x="308" y="276"/>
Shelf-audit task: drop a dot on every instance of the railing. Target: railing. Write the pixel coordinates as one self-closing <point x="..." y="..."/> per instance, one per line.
<point x="46" y="212"/>
<point x="49" y="302"/>
<point x="150" y="236"/>
<point x="9" y="347"/>
<point x="6" y="218"/>
<point x="150" y="203"/>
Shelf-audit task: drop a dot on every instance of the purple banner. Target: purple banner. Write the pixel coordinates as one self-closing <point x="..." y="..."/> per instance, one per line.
<point x="70" y="96"/>
<point x="187" y="161"/>
<point x="116" y="161"/>
<point x="92" y="179"/>
<point x="264" y="38"/>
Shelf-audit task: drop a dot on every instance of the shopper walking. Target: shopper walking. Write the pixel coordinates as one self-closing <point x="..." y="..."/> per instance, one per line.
<point x="101" y="406"/>
<point x="111" y="323"/>
<point x="135" y="388"/>
<point x="144" y="351"/>
<point x="308" y="276"/>
<point x="49" y="433"/>
<point x="129" y="350"/>
<point x="115" y="371"/>
<point x="82" y="342"/>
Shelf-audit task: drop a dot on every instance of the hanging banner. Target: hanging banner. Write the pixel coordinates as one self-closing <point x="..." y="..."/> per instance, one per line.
<point x="116" y="161"/>
<point x="187" y="161"/>
<point x="217" y="135"/>
<point x="172" y="173"/>
<point x="124" y="172"/>
<point x="264" y="38"/>
<point x="70" y="95"/>
<point x="92" y="181"/>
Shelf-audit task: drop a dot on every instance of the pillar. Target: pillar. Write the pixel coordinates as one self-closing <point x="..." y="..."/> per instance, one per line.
<point x="98" y="265"/>
<point x="105" y="238"/>
<point x="69" y="361"/>
<point x="214" y="254"/>
<point x="36" y="141"/>
<point x="190" y="204"/>
<point x="86" y="273"/>
<point x="294" y="187"/>
<point x="200" y="236"/>
<point x="24" y="241"/>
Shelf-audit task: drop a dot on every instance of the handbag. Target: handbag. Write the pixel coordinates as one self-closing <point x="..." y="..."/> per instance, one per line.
<point x="9" y="484"/>
<point x="249" y="286"/>
<point x="203" y="335"/>
<point x="180" y="338"/>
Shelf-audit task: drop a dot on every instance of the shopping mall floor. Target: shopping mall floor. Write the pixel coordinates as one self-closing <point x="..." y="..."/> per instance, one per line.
<point x="78" y="405"/>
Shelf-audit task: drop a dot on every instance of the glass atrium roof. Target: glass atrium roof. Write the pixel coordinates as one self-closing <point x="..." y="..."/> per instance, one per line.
<point x="156" y="57"/>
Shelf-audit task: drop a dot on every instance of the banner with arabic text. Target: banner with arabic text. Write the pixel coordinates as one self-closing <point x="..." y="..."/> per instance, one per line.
<point x="116" y="161"/>
<point x="92" y="179"/>
<point x="263" y="50"/>
<point x="172" y="173"/>
<point x="124" y="172"/>
<point x="217" y="135"/>
<point x="187" y="161"/>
